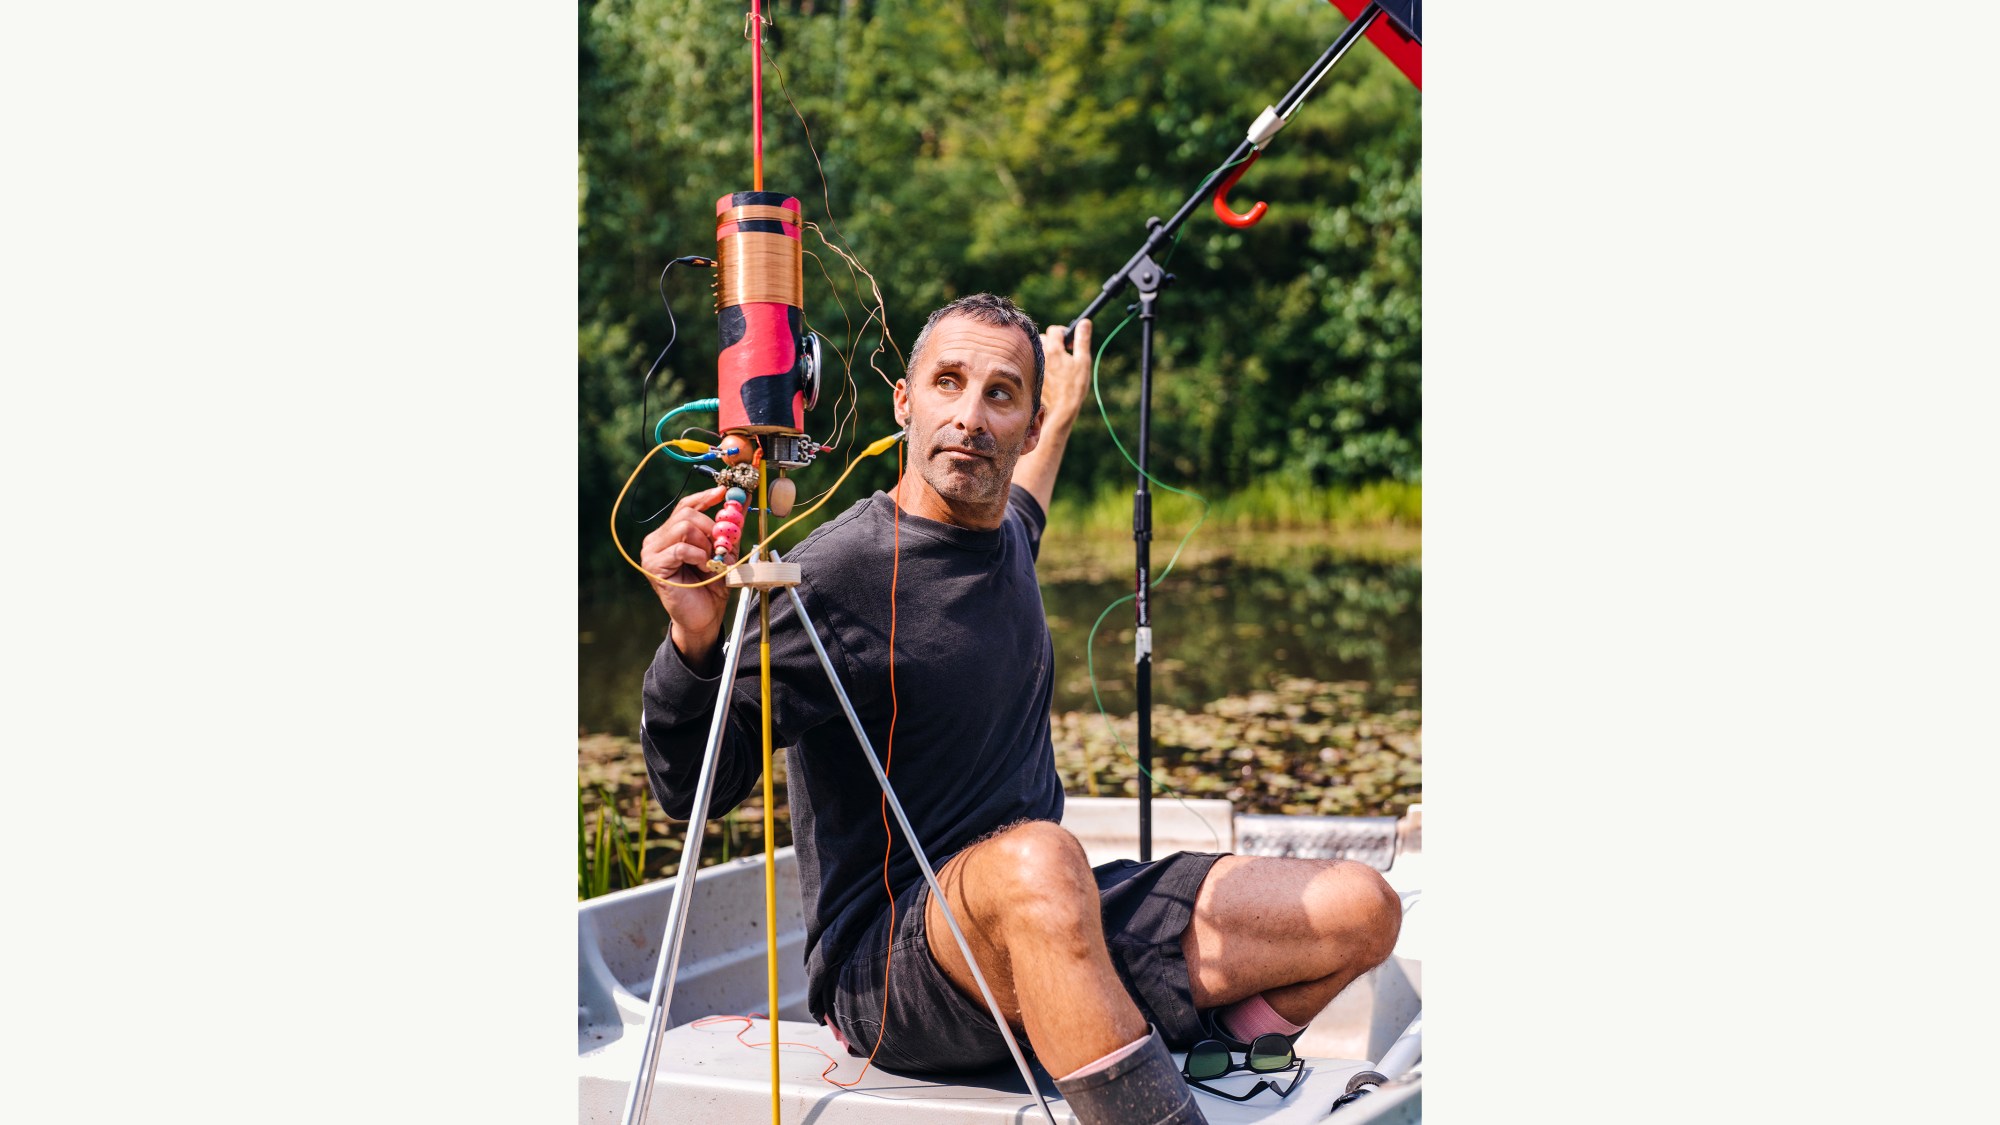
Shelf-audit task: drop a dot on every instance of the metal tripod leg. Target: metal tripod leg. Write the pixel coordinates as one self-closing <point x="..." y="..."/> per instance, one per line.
<point x="916" y="849"/>
<point x="640" y="1093"/>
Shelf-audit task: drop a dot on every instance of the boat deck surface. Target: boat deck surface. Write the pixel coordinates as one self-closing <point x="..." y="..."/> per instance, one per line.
<point x="720" y="1072"/>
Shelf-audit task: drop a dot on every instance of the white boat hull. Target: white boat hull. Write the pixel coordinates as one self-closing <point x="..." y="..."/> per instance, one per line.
<point x="707" y="1073"/>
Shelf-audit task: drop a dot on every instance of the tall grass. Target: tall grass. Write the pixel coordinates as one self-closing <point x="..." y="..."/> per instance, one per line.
<point x="1266" y="504"/>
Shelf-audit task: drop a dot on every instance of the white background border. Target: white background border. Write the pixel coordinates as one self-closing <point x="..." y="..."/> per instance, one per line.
<point x="1709" y="561"/>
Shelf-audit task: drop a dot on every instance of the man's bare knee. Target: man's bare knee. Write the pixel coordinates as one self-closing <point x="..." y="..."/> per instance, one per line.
<point x="1042" y="847"/>
<point x="1037" y="870"/>
<point x="1352" y="904"/>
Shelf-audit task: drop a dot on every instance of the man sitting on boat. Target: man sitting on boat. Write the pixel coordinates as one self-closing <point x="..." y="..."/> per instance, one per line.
<point x="1102" y="970"/>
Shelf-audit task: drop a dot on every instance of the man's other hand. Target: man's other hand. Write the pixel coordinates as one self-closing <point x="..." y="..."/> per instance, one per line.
<point x="678" y="550"/>
<point x="1065" y="376"/>
<point x="1065" y="373"/>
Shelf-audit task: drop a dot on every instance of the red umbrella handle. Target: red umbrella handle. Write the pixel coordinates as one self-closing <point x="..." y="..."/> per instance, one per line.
<point x="1222" y="209"/>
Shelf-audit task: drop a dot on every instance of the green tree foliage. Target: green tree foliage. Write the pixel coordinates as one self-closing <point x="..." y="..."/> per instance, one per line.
<point x="1016" y="147"/>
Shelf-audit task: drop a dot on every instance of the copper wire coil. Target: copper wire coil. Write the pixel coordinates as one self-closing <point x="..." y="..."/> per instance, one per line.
<point x="758" y="211"/>
<point x="758" y="266"/>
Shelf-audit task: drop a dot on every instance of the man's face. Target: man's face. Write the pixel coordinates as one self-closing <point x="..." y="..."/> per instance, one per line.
<point x="969" y="407"/>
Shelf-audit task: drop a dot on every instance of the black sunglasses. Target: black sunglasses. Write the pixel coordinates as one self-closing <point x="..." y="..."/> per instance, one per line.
<point x="1269" y="1053"/>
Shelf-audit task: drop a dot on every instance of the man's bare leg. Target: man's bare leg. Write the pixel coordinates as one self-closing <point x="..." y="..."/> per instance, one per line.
<point x="1029" y="907"/>
<point x="1296" y="931"/>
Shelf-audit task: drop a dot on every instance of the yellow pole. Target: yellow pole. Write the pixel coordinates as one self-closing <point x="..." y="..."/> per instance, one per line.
<point x="770" y="800"/>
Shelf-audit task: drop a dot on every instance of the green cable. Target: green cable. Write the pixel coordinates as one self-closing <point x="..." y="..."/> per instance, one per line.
<point x="1090" y="664"/>
<point x="660" y="427"/>
<point x="1098" y="393"/>
<point x="1090" y="644"/>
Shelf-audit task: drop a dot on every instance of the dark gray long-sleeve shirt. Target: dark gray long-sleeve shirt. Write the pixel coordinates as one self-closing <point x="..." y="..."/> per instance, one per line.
<point x="973" y="687"/>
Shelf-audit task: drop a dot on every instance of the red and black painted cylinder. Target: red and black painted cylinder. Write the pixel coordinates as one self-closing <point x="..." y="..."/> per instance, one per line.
<point x="765" y="370"/>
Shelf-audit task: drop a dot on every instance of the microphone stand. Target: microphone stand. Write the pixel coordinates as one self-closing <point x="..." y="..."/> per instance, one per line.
<point x="1146" y="276"/>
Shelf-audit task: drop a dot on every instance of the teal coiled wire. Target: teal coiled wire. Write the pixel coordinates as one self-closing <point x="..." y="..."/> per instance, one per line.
<point x="660" y="428"/>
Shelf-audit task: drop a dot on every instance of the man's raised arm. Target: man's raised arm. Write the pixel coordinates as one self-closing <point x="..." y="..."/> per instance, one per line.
<point x="1065" y="375"/>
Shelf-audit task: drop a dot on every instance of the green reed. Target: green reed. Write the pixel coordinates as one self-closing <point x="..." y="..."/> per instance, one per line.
<point x="610" y="847"/>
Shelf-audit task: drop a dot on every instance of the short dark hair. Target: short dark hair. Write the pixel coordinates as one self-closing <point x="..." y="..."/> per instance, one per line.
<point x="988" y="308"/>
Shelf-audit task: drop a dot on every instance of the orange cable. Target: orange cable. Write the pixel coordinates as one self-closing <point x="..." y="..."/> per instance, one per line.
<point x="888" y="756"/>
<point x="749" y="1022"/>
<point x="889" y="840"/>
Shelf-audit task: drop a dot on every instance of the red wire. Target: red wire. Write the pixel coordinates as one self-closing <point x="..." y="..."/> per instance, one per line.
<point x="757" y="93"/>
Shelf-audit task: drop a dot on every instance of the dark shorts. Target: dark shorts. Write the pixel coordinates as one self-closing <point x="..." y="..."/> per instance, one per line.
<point x="935" y="1028"/>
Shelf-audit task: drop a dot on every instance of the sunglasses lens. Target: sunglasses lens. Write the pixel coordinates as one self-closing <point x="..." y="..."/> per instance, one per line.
<point x="1270" y="1052"/>
<point x="1207" y="1059"/>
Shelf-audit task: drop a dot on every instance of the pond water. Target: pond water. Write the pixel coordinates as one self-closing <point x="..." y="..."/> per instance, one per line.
<point x="1225" y="626"/>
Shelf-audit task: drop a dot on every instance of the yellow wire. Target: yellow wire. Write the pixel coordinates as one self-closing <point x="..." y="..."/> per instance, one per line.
<point x="770" y="803"/>
<point x="616" y="542"/>
<point x="879" y="445"/>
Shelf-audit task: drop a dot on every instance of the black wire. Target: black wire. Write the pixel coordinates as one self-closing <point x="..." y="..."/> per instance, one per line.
<point x="692" y="470"/>
<point x="674" y="333"/>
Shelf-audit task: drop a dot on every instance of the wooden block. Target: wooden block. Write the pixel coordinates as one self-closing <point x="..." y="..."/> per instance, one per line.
<point x="766" y="575"/>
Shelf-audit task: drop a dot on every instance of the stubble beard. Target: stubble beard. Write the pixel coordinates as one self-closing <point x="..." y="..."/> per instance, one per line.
<point x="974" y="484"/>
